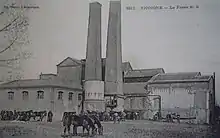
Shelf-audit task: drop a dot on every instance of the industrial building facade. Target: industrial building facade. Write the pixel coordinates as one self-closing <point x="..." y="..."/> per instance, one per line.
<point x="188" y="94"/>
<point x="63" y="91"/>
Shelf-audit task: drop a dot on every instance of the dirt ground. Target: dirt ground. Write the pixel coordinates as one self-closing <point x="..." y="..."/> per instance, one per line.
<point x="127" y="129"/>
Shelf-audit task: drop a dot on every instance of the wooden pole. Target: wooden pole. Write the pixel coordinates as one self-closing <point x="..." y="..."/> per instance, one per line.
<point x="83" y="97"/>
<point x="213" y="112"/>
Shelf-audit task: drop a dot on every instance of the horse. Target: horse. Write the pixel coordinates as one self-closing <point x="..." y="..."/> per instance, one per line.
<point x="98" y="123"/>
<point x="85" y="121"/>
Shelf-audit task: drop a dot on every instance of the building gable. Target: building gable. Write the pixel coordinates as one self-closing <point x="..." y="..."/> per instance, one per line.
<point x="126" y="66"/>
<point x="69" y="62"/>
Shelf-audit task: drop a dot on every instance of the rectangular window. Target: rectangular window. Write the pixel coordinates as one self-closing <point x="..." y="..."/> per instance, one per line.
<point x="79" y="97"/>
<point x="131" y="102"/>
<point x="60" y="95"/>
<point x="40" y="94"/>
<point x="70" y="98"/>
<point x="25" y="95"/>
<point x="10" y="95"/>
<point x="143" y="102"/>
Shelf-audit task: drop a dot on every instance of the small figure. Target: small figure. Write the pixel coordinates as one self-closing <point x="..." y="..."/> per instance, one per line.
<point x="115" y="117"/>
<point x="169" y="117"/>
<point x="66" y="122"/>
<point x="178" y="118"/>
<point x="50" y="116"/>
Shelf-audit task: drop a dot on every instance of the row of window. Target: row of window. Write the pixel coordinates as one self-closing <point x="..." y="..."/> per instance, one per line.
<point x="169" y="90"/>
<point x="70" y="97"/>
<point x="95" y="94"/>
<point x="24" y="95"/>
<point x="40" y="95"/>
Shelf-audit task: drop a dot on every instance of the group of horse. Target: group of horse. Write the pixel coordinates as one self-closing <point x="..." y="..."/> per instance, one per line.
<point x="23" y="115"/>
<point x="89" y="122"/>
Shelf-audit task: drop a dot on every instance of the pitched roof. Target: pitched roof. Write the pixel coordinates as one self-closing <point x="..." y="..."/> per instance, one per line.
<point x="49" y="74"/>
<point x="70" y="62"/>
<point x="125" y="65"/>
<point x="144" y="72"/>
<point x="39" y="83"/>
<point x="178" y="77"/>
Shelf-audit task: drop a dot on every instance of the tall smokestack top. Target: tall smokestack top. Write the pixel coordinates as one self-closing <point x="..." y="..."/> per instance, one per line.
<point x="116" y="5"/>
<point x="115" y="2"/>
<point x="96" y="3"/>
<point x="113" y="69"/>
<point x="95" y="6"/>
<point x="93" y="52"/>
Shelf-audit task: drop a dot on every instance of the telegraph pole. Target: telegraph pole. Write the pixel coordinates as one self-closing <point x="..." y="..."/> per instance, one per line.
<point x="83" y="96"/>
<point x="213" y="112"/>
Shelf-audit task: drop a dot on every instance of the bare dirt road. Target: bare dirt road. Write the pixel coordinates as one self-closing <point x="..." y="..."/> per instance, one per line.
<point x="128" y="129"/>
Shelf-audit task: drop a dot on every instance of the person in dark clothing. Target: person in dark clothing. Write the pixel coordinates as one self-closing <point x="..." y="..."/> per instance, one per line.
<point x="178" y="118"/>
<point x="50" y="116"/>
<point x="169" y="118"/>
<point x="14" y="114"/>
<point x="2" y="114"/>
<point x="66" y="122"/>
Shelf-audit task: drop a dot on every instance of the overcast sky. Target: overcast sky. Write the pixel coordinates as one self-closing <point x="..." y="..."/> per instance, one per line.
<point x="176" y="40"/>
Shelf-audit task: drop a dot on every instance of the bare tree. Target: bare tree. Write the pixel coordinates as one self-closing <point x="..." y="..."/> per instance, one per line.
<point x="14" y="39"/>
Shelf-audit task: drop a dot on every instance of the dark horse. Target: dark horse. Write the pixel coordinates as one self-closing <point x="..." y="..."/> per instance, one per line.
<point x="98" y="123"/>
<point x="85" y="121"/>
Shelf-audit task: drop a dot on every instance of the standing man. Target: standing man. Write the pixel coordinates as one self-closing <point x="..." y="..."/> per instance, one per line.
<point x="115" y="117"/>
<point x="50" y="116"/>
<point x="178" y="118"/>
<point x="66" y="122"/>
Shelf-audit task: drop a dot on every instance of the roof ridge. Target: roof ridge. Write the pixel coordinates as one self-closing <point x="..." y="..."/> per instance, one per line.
<point x="27" y="79"/>
<point x="185" y="80"/>
<point x="209" y="76"/>
<point x="19" y="80"/>
<point x="75" y="59"/>
<point x="38" y="83"/>
<point x="175" y="73"/>
<point x="5" y="83"/>
<point x="71" y="58"/>
<point x="48" y="74"/>
<point x="148" y="69"/>
<point x="153" y="78"/>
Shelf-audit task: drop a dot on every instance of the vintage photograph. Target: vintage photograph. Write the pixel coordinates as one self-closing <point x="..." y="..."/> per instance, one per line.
<point x="109" y="68"/>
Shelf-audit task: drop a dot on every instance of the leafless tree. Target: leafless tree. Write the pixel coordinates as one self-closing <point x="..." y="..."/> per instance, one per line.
<point x="14" y="39"/>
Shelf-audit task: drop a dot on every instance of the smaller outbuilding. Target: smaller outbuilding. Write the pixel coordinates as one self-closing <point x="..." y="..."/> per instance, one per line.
<point x="189" y="94"/>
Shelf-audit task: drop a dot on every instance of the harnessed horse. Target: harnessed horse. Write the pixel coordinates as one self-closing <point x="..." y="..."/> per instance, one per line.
<point x="98" y="123"/>
<point x="85" y="121"/>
